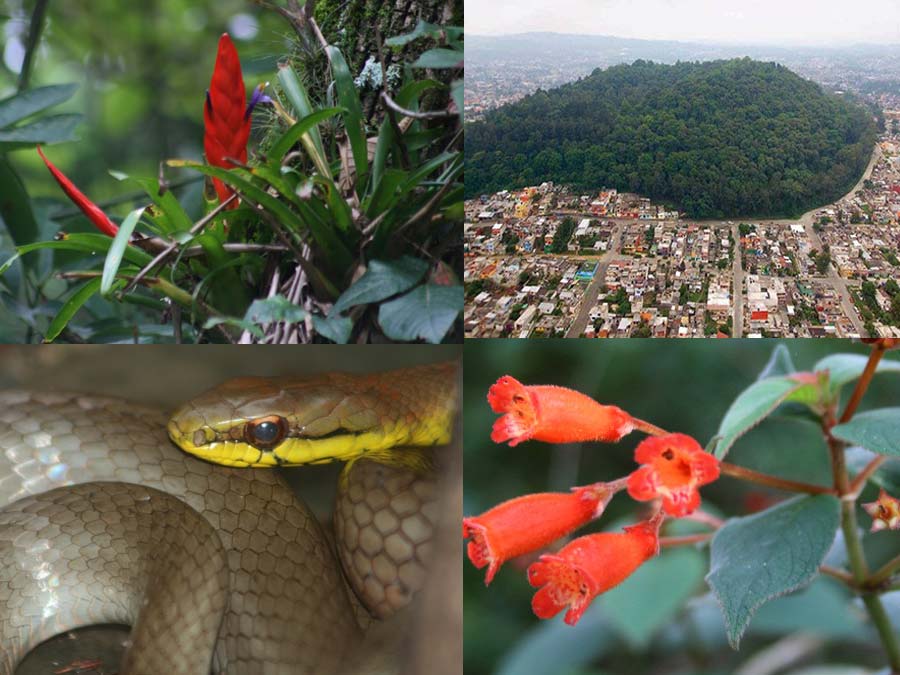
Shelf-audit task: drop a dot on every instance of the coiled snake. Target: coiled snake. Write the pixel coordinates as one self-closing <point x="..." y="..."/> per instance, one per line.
<point x="104" y="520"/>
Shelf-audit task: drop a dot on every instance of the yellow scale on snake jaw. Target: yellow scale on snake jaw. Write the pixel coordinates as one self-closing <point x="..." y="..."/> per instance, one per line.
<point x="323" y="419"/>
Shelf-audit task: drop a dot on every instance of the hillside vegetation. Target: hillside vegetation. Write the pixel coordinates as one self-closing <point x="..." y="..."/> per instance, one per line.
<point x="716" y="139"/>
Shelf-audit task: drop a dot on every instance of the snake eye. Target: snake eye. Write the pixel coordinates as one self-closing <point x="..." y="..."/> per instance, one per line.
<point x="266" y="431"/>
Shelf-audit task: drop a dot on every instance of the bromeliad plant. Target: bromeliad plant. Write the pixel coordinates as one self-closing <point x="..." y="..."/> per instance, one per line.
<point x="339" y="227"/>
<point x="754" y="559"/>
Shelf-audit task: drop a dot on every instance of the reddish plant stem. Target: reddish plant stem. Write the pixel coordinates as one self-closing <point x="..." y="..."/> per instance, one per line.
<point x="666" y="542"/>
<point x="860" y="481"/>
<point x="647" y="428"/>
<point x="705" y="518"/>
<point x="752" y="476"/>
<point x="863" y="382"/>
<point x="843" y="575"/>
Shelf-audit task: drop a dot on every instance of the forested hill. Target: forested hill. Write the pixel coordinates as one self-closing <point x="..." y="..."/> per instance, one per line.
<point x="716" y="139"/>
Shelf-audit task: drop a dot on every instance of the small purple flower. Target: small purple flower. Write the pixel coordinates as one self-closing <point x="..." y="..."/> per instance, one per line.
<point x="258" y="97"/>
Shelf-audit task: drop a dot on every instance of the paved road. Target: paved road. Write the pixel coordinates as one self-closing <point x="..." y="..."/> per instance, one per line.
<point x="737" y="296"/>
<point x="593" y="290"/>
<point x="839" y="283"/>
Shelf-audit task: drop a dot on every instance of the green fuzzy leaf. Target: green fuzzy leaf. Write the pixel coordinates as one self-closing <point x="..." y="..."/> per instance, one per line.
<point x="844" y="368"/>
<point x="382" y="280"/>
<point x="764" y="556"/>
<point x="875" y="430"/>
<point x="69" y="309"/>
<point x="752" y="405"/>
<point x="427" y="312"/>
<point x="650" y="597"/>
<point x="439" y="58"/>
<point x="276" y="308"/>
<point x="52" y="129"/>
<point x="117" y="250"/>
<point x="19" y="106"/>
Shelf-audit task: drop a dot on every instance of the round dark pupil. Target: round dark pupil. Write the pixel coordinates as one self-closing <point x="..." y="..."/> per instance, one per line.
<point x="266" y="432"/>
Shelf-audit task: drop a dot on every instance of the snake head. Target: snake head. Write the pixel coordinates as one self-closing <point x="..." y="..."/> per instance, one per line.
<point x="266" y="422"/>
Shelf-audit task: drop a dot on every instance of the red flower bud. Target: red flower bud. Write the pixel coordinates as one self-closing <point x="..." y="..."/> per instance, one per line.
<point x="530" y="522"/>
<point x="93" y="212"/>
<point x="553" y="414"/>
<point x="674" y="466"/>
<point x="589" y="566"/>
<point x="226" y="118"/>
<point x="885" y="512"/>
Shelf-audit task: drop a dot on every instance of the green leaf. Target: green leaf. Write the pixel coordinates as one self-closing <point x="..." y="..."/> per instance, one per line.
<point x="117" y="249"/>
<point x="354" y="125"/>
<point x="764" y="556"/>
<point x="297" y="132"/>
<point x="20" y="106"/>
<point x="81" y="242"/>
<point x="242" y="324"/>
<point x="427" y="312"/>
<point x="439" y="58"/>
<point x="68" y="310"/>
<point x="844" y="368"/>
<point x="276" y="308"/>
<point x="875" y="430"/>
<point x="335" y="251"/>
<point x="382" y="280"/>
<point x="53" y="129"/>
<point x="651" y="596"/>
<point x="174" y="217"/>
<point x="337" y="328"/>
<point x="15" y="205"/>
<point x="752" y="405"/>
<point x="296" y="93"/>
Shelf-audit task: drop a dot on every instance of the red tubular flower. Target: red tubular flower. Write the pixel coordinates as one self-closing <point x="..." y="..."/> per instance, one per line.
<point x="528" y="523"/>
<point x="225" y="115"/>
<point x="674" y="466"/>
<point x="89" y="208"/>
<point x="553" y="414"/>
<point x="885" y="512"/>
<point x="589" y="566"/>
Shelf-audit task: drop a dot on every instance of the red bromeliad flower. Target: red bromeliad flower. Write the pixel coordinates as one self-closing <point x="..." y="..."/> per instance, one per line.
<point x="89" y="208"/>
<point x="553" y="414"/>
<point x="674" y="467"/>
<point x="528" y="523"/>
<point x="589" y="566"/>
<point x="226" y="115"/>
<point x="885" y="512"/>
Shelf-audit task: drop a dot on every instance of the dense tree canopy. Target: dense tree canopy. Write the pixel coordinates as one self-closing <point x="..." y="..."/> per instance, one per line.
<point x="720" y="138"/>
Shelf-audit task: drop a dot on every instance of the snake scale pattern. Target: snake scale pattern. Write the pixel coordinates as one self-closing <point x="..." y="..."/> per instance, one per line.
<point x="104" y="520"/>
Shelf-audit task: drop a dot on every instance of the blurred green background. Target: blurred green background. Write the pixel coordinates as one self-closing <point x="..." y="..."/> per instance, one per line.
<point x="142" y="69"/>
<point x="662" y="620"/>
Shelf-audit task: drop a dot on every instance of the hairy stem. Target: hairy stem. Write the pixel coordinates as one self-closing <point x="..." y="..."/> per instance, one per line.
<point x="647" y="428"/>
<point x="855" y="554"/>
<point x="666" y="542"/>
<point x="860" y="481"/>
<point x="863" y="382"/>
<point x="772" y="481"/>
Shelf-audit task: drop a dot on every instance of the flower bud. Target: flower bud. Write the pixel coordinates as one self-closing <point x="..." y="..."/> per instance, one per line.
<point x="552" y="414"/>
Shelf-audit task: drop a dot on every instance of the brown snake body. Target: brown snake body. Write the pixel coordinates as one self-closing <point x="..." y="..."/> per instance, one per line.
<point x="213" y="567"/>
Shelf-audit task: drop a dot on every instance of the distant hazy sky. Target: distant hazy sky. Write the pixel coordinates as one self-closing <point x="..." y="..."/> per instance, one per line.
<point x="783" y="22"/>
